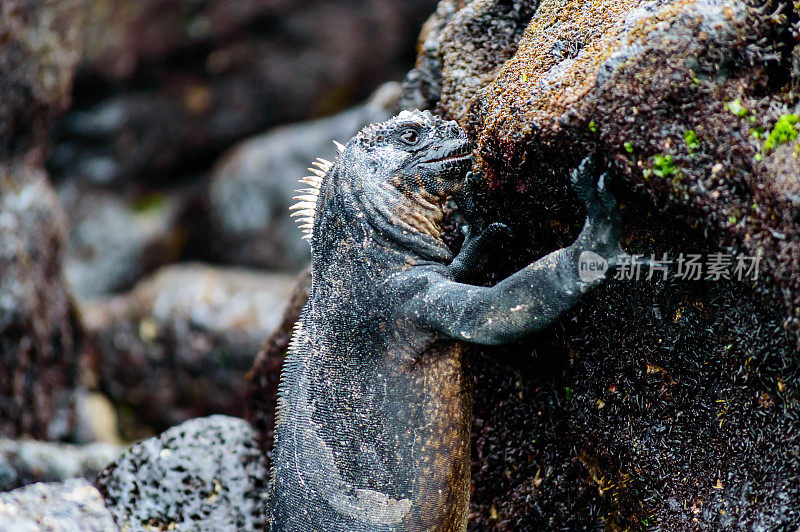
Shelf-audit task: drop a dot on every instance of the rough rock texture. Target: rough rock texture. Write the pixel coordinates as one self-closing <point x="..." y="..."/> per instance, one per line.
<point x="178" y="345"/>
<point x="39" y="48"/>
<point x="264" y="377"/>
<point x="166" y="85"/>
<point x="655" y="403"/>
<point x="38" y="332"/>
<point x="71" y="506"/>
<point x="113" y="243"/>
<point x="252" y="187"/>
<point x="666" y="404"/>
<point x="206" y="474"/>
<point x="25" y="461"/>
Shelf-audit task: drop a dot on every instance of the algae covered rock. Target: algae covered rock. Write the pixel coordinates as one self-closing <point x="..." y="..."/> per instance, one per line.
<point x="206" y="474"/>
<point x="658" y="402"/>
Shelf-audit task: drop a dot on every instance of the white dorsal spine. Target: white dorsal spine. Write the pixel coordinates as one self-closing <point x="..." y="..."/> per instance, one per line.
<point x="307" y="197"/>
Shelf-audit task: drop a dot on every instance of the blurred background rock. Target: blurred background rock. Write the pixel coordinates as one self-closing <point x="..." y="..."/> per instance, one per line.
<point x="136" y="135"/>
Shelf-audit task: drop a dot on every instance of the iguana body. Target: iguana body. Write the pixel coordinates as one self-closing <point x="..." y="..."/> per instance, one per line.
<point x="375" y="402"/>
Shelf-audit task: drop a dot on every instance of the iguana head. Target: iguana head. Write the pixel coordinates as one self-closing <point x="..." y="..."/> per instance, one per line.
<point x="415" y="152"/>
<point x="393" y="176"/>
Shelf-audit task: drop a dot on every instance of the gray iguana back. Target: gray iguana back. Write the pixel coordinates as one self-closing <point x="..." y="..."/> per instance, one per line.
<point x="375" y="402"/>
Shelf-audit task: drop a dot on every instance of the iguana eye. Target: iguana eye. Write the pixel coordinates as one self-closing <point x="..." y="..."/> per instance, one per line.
<point x="410" y="136"/>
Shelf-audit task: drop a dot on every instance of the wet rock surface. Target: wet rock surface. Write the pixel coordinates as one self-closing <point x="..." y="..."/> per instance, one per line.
<point x="668" y="404"/>
<point x="251" y="189"/>
<point x="178" y="345"/>
<point x="25" y="461"/>
<point x="206" y="474"/>
<point x="71" y="506"/>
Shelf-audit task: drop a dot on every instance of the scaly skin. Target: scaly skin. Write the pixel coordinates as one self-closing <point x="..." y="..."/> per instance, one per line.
<point x="375" y="402"/>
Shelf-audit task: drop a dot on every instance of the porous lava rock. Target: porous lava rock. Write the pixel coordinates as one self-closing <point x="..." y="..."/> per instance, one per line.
<point x="206" y="474"/>
<point x="39" y="50"/>
<point x="38" y="329"/>
<point x="72" y="506"/>
<point x="28" y="461"/>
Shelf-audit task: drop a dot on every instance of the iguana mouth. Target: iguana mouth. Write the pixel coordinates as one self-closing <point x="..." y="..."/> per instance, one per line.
<point x="450" y="158"/>
<point x="460" y="153"/>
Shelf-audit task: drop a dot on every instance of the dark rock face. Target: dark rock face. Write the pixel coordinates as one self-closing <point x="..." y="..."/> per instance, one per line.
<point x="251" y="190"/>
<point x="38" y="343"/>
<point x="71" y="506"/>
<point x="178" y="345"/>
<point x="654" y="403"/>
<point x="206" y="474"/>
<point x="25" y="462"/>
<point x="39" y="50"/>
<point x="172" y="83"/>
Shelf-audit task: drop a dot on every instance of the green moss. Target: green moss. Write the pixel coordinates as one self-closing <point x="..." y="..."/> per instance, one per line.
<point x="569" y="392"/>
<point x="593" y="127"/>
<point x="736" y="108"/>
<point x="757" y="133"/>
<point x="663" y="166"/>
<point x="690" y="137"/>
<point x="149" y="204"/>
<point x="628" y="147"/>
<point x="784" y="131"/>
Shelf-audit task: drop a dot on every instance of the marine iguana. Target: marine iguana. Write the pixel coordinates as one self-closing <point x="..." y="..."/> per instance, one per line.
<point x="375" y="402"/>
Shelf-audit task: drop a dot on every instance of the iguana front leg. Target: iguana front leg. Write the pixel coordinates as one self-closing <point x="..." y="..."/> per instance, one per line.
<point x="479" y="243"/>
<point x="535" y="296"/>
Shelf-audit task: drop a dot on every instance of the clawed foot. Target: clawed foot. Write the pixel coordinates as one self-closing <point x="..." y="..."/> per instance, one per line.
<point x="466" y="204"/>
<point x="477" y="249"/>
<point x="479" y="241"/>
<point x="603" y="227"/>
